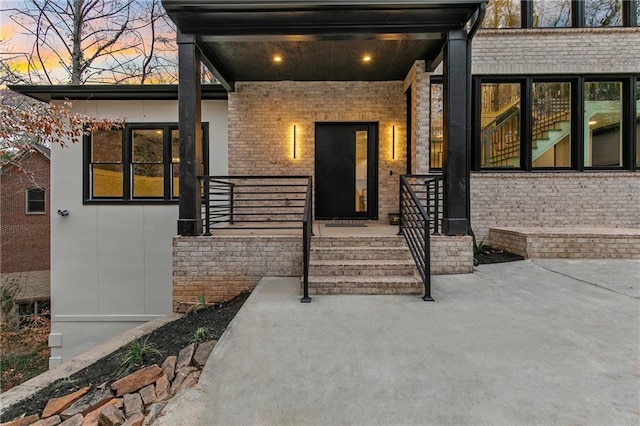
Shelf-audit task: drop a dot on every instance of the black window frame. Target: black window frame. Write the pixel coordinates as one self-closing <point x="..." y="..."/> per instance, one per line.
<point x="629" y="119"/>
<point x="127" y="162"/>
<point x="29" y="200"/>
<point x="628" y="16"/>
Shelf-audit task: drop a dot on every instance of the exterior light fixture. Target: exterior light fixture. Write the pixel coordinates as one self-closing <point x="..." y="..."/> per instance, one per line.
<point x="277" y="59"/>
<point x="294" y="142"/>
<point x="592" y="122"/>
<point x="393" y="142"/>
<point x="367" y="58"/>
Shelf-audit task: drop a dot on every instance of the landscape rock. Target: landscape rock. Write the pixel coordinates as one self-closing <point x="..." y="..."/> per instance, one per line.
<point x="51" y="421"/>
<point x="135" y="420"/>
<point x="111" y="416"/>
<point x="148" y="394"/>
<point x="76" y="420"/>
<point x="58" y="405"/>
<point x="23" y="421"/>
<point x="89" y="402"/>
<point x="169" y="366"/>
<point x="133" y="404"/>
<point x="189" y="382"/>
<point x="181" y="375"/>
<point x="185" y="356"/>
<point x="163" y="388"/>
<point x="154" y="412"/>
<point x="137" y="380"/>
<point x="202" y="352"/>
<point x="91" y="419"/>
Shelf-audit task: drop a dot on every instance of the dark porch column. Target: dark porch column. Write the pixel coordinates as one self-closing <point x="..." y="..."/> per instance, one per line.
<point x="190" y="138"/>
<point x="457" y="134"/>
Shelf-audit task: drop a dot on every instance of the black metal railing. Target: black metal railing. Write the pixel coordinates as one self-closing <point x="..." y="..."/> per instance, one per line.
<point x="260" y="202"/>
<point x="307" y="233"/>
<point x="420" y="215"/>
<point x="428" y="190"/>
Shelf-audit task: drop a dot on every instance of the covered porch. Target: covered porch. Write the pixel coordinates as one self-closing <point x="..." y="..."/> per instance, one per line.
<point x="245" y="42"/>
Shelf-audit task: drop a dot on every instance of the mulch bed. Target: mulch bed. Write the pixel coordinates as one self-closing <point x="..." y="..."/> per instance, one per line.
<point x="168" y="339"/>
<point x="490" y="255"/>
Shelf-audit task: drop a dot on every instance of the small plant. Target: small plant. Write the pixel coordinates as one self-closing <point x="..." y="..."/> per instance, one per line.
<point x="199" y="305"/>
<point x="199" y="335"/>
<point x="137" y="353"/>
<point x="480" y="247"/>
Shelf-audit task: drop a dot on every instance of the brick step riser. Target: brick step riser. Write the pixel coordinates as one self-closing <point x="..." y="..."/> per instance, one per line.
<point x="391" y="254"/>
<point x="364" y="291"/>
<point x="362" y="270"/>
<point x="357" y="242"/>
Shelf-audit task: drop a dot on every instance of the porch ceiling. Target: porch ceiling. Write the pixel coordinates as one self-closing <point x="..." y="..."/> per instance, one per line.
<point x="318" y="40"/>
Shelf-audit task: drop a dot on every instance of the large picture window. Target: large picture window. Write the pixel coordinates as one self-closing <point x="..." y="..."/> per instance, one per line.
<point x="437" y="127"/>
<point x="137" y="163"/>
<point x="549" y="122"/>
<point x="551" y="14"/>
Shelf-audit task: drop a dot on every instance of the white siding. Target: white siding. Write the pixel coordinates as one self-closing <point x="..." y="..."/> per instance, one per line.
<point x="111" y="265"/>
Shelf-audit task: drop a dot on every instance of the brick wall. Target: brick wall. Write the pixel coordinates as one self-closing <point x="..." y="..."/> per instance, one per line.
<point x="451" y="255"/>
<point x="556" y="51"/>
<point x="419" y="81"/>
<point x="221" y="267"/>
<point x="25" y="238"/>
<point x="262" y="116"/>
<point x="554" y="200"/>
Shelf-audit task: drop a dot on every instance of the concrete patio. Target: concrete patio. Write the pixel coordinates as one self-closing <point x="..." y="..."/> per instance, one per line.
<point x="536" y="342"/>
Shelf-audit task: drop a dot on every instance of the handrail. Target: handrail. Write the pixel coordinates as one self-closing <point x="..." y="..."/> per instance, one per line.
<point x="263" y="202"/>
<point x="414" y="226"/>
<point x="307" y="232"/>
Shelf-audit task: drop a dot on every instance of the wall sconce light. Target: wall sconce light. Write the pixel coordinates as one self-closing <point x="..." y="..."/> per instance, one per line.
<point x="393" y="142"/>
<point x="294" y="142"/>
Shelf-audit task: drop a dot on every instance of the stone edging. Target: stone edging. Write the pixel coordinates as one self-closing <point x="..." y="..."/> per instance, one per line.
<point x="28" y="388"/>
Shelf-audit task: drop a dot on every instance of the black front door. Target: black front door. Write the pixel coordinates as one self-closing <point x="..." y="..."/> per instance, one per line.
<point x="346" y="170"/>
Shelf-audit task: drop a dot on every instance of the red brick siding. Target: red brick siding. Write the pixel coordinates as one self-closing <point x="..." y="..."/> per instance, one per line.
<point x="25" y="238"/>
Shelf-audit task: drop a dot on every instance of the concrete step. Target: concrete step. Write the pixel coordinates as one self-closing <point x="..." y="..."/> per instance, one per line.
<point x="360" y="253"/>
<point x="364" y="241"/>
<point x="365" y="285"/>
<point x="366" y="268"/>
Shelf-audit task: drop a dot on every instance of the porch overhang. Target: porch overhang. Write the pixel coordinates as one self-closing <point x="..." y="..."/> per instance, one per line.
<point x="318" y="40"/>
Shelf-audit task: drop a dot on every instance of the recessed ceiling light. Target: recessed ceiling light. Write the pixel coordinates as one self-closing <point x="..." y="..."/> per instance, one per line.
<point x="277" y="58"/>
<point x="592" y="122"/>
<point x="366" y="58"/>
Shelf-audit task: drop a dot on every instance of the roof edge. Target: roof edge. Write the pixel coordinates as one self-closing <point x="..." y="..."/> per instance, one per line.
<point x="101" y="92"/>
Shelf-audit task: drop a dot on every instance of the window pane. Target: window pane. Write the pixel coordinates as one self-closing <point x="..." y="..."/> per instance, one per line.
<point x="147" y="146"/>
<point x="435" y="156"/>
<point x="602" y="13"/>
<point x="551" y="125"/>
<point x="176" y="180"/>
<point x="500" y="124"/>
<point x="552" y="13"/>
<point x="638" y="124"/>
<point x="106" y="146"/>
<point x="502" y="14"/>
<point x="107" y="180"/>
<point x="148" y="180"/>
<point x="603" y="124"/>
<point x="175" y="147"/>
<point x="35" y="200"/>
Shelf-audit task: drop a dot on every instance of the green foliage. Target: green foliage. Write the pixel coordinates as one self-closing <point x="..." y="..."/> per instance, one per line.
<point x="199" y="305"/>
<point x="137" y="353"/>
<point x="200" y="334"/>
<point x="479" y="248"/>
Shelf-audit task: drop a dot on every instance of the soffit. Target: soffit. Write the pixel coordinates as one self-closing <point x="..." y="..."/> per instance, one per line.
<point x="318" y="40"/>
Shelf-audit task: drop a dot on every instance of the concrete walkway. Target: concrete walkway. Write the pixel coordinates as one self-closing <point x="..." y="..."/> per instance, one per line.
<point x="536" y="342"/>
